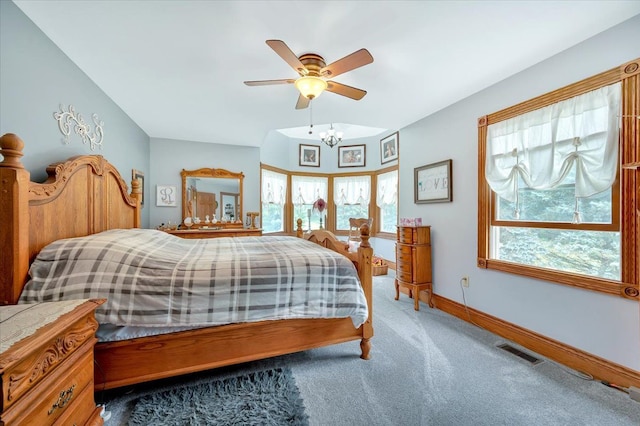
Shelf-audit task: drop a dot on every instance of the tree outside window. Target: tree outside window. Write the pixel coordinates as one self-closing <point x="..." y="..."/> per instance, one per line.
<point x="305" y="190"/>
<point x="274" y="190"/>
<point x="387" y="200"/>
<point x="352" y="197"/>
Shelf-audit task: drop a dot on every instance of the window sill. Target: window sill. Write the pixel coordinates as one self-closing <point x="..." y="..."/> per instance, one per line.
<point x="387" y="236"/>
<point x="614" y="288"/>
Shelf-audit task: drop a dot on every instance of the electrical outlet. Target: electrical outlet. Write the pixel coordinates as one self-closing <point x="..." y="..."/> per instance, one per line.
<point x="465" y="281"/>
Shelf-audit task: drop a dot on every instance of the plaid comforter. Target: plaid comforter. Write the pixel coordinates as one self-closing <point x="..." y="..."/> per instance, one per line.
<point x="152" y="278"/>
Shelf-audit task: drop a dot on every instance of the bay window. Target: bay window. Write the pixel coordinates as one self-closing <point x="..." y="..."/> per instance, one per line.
<point x="305" y="190"/>
<point x="387" y="201"/>
<point x="274" y="192"/>
<point x="351" y="195"/>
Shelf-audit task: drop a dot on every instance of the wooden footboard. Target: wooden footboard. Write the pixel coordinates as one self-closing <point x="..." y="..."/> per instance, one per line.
<point x="149" y="358"/>
<point x="85" y="195"/>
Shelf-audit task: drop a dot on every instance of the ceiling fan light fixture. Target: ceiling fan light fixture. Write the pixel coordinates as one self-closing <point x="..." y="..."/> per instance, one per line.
<point x="310" y="86"/>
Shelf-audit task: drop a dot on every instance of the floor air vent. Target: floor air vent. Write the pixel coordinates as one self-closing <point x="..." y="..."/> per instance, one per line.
<point x="527" y="357"/>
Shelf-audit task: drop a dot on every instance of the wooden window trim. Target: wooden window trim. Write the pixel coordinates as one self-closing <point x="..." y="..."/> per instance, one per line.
<point x="625" y="191"/>
<point x="374" y="210"/>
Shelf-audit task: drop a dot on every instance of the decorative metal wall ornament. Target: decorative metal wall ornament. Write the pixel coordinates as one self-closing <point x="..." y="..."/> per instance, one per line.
<point x="82" y="129"/>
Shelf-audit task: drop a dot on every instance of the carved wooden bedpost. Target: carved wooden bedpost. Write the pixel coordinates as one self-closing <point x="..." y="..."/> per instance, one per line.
<point x="365" y="256"/>
<point x="299" y="231"/>
<point x="136" y="194"/>
<point x="14" y="219"/>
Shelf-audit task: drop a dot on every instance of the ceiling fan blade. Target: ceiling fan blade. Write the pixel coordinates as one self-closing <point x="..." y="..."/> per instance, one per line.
<point x="344" y="90"/>
<point x="303" y="102"/>
<point x="268" y="82"/>
<point x="285" y="53"/>
<point x="350" y="62"/>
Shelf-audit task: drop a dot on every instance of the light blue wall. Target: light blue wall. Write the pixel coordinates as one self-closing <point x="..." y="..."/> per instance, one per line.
<point x="603" y="325"/>
<point x="35" y="78"/>
<point x="169" y="157"/>
<point x="329" y="156"/>
<point x="276" y="144"/>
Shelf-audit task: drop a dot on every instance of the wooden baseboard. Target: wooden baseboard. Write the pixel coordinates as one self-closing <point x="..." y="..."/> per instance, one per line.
<point x="599" y="368"/>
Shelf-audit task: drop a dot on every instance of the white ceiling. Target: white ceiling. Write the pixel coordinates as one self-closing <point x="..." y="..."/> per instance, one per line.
<point x="177" y="67"/>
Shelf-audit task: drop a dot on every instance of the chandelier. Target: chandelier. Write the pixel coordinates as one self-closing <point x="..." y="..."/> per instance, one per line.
<point x="331" y="137"/>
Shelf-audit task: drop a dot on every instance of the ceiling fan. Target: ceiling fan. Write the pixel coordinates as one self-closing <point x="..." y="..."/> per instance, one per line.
<point x="315" y="74"/>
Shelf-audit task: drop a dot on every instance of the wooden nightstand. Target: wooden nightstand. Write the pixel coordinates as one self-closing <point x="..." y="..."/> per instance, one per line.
<point x="46" y="363"/>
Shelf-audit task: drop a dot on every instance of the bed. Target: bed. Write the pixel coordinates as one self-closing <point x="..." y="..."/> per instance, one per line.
<point x="85" y="195"/>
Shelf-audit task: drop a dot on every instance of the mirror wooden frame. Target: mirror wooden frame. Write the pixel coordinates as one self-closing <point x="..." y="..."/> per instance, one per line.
<point x="213" y="173"/>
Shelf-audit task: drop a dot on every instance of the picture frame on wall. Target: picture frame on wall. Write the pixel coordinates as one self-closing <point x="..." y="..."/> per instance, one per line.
<point x="352" y="156"/>
<point x="166" y="195"/>
<point x="433" y="183"/>
<point x="139" y="176"/>
<point x="309" y="155"/>
<point x="389" y="148"/>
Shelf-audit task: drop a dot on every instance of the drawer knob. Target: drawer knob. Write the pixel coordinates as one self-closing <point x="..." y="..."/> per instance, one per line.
<point x="63" y="399"/>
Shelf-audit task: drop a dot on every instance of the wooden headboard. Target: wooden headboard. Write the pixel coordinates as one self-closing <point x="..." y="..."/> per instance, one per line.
<point x="81" y="196"/>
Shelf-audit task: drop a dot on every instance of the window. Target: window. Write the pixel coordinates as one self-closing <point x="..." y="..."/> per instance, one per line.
<point x="287" y="197"/>
<point x="305" y="190"/>
<point x="550" y="187"/>
<point x="387" y="201"/>
<point x="351" y="195"/>
<point x="274" y="191"/>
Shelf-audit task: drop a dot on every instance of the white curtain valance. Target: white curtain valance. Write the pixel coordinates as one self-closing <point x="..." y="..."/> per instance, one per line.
<point x="387" y="190"/>
<point x="274" y="187"/>
<point x="352" y="190"/>
<point x="307" y="189"/>
<point x="542" y="146"/>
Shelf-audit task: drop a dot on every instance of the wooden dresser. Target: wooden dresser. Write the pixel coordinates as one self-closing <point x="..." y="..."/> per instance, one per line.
<point x="413" y="262"/>
<point x="215" y="233"/>
<point x="46" y="364"/>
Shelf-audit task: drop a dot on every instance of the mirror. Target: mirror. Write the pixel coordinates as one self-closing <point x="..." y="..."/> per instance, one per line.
<point x="214" y="195"/>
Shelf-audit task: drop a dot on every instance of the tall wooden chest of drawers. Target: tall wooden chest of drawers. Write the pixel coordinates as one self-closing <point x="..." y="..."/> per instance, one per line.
<point x="413" y="262"/>
<point x="46" y="364"/>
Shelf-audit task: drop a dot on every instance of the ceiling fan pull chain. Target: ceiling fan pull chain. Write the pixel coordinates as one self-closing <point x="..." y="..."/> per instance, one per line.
<point x="310" y="118"/>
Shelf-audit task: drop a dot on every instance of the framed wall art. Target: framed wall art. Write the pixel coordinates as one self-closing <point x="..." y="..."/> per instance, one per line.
<point x="352" y="156"/>
<point x="139" y="176"/>
<point x="433" y="183"/>
<point x="166" y="195"/>
<point x="389" y="148"/>
<point x="310" y="155"/>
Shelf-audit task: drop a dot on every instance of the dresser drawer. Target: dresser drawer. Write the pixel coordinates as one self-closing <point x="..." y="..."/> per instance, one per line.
<point x="414" y="235"/>
<point x="404" y="275"/>
<point x="405" y="235"/>
<point x="45" y="403"/>
<point x="83" y="410"/>
<point x="403" y="253"/>
<point x="404" y="262"/>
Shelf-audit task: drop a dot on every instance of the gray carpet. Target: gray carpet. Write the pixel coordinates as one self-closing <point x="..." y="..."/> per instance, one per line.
<point x="268" y="397"/>
<point x="429" y="368"/>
